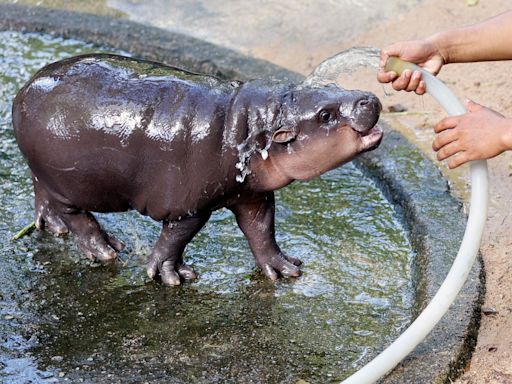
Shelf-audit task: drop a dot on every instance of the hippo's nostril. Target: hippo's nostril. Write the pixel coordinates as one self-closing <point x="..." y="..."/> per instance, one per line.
<point x="368" y="103"/>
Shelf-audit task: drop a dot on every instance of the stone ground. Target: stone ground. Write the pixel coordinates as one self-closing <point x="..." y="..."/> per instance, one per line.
<point x="300" y="34"/>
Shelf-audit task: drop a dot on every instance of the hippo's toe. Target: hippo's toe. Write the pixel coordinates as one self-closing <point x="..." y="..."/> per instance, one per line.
<point x="96" y="249"/>
<point x="280" y="264"/>
<point x="169" y="273"/>
<point x="115" y="243"/>
<point x="187" y="272"/>
<point x="293" y="260"/>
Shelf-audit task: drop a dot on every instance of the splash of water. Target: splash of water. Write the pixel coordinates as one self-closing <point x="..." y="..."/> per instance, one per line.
<point x="247" y="149"/>
<point x="344" y="63"/>
<point x="326" y="73"/>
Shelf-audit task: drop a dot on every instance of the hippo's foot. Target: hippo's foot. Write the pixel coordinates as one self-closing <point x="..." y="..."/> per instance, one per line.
<point x="170" y="273"/>
<point x="46" y="216"/>
<point x="47" y="219"/>
<point x="102" y="247"/>
<point x="166" y="260"/>
<point x="256" y="220"/>
<point x="94" y="242"/>
<point x="60" y="219"/>
<point x="279" y="264"/>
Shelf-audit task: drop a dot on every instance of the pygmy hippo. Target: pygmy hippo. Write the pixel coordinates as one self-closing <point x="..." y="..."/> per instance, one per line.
<point x="106" y="133"/>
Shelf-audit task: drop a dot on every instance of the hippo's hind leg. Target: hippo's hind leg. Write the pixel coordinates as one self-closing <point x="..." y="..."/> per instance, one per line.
<point x="46" y="215"/>
<point x="166" y="260"/>
<point x="90" y="237"/>
<point x="58" y="218"/>
<point x="256" y="220"/>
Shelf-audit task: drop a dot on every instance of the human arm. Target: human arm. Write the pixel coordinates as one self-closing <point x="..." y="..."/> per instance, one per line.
<point x="479" y="134"/>
<point x="488" y="40"/>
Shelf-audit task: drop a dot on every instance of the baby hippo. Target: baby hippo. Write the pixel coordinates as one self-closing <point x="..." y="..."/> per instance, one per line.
<point x="105" y="133"/>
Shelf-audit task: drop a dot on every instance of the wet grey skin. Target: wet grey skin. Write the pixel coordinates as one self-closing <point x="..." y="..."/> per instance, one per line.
<point x="105" y="133"/>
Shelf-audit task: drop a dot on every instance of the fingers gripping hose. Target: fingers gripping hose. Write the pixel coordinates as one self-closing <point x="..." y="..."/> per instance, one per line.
<point x="462" y="264"/>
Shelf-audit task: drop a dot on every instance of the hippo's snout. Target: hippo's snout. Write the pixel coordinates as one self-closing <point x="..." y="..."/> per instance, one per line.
<point x="363" y="117"/>
<point x="365" y="112"/>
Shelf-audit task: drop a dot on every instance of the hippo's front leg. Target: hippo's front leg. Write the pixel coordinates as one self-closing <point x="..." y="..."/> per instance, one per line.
<point x="166" y="259"/>
<point x="256" y="220"/>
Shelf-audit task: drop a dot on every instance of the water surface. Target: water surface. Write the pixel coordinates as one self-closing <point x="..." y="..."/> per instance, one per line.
<point x="65" y="319"/>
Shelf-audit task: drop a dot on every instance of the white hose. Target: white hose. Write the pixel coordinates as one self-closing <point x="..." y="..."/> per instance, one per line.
<point x="462" y="264"/>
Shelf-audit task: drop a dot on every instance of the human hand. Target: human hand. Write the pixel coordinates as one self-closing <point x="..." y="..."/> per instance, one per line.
<point x="479" y="134"/>
<point x="421" y="52"/>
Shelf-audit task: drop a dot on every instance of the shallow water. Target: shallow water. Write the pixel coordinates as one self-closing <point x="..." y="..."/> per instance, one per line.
<point x="62" y="318"/>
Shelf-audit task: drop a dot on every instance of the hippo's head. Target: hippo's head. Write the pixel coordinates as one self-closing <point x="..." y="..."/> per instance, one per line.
<point x="319" y="129"/>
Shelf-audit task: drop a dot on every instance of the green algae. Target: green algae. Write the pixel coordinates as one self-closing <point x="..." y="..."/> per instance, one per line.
<point x="97" y="7"/>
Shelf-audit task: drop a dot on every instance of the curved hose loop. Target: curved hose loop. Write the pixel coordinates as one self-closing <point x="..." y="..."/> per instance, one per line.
<point x="462" y="264"/>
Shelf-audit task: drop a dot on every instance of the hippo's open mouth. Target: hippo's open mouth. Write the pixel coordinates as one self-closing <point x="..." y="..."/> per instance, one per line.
<point x="371" y="138"/>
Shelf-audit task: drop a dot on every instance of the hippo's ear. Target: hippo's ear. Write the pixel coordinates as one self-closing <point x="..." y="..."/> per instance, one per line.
<point x="284" y="135"/>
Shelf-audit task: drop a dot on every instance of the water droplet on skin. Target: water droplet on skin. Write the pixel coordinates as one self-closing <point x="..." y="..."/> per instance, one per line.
<point x="45" y="83"/>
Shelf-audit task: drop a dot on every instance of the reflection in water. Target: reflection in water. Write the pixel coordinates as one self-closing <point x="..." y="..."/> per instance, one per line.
<point x="62" y="318"/>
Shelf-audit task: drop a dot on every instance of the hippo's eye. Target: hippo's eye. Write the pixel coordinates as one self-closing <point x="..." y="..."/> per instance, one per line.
<point x="325" y="116"/>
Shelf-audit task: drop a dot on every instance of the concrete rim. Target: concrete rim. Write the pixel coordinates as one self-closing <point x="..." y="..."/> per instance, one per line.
<point x="409" y="180"/>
